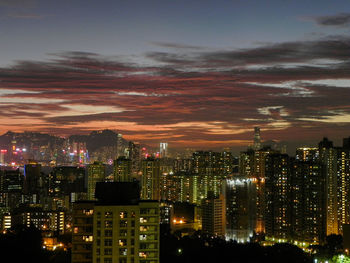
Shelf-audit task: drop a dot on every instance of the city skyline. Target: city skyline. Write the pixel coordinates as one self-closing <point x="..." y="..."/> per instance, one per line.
<point x="205" y="75"/>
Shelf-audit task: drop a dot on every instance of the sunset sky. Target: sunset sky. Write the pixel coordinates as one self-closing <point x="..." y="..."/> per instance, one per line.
<point x="193" y="73"/>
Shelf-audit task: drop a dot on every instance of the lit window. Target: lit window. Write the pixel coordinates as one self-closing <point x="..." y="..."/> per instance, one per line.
<point x="108" y="214"/>
<point x="143" y="228"/>
<point x="123" y="214"/>
<point x="122" y="242"/>
<point x="123" y="251"/>
<point x="88" y="238"/>
<point x="143" y="237"/>
<point x="108" y="223"/>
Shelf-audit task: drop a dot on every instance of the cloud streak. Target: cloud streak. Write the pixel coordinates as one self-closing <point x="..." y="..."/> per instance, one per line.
<point x="186" y="97"/>
<point x="338" y="20"/>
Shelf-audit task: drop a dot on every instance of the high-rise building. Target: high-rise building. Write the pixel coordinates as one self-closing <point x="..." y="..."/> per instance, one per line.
<point x="257" y="138"/>
<point x="150" y="180"/>
<point x="11" y="181"/>
<point x="336" y="167"/>
<point x="307" y="154"/>
<point x="259" y="179"/>
<point x="343" y="189"/>
<point x="328" y="157"/>
<point x="125" y="228"/>
<point x="120" y="146"/>
<point x="181" y="187"/>
<point x="182" y="165"/>
<point x="135" y="156"/>
<point x="278" y="196"/>
<point x="67" y="180"/>
<point x="308" y="201"/>
<point x="82" y="234"/>
<point x="163" y="149"/>
<point x="252" y="165"/>
<point x="227" y="162"/>
<point x="11" y="186"/>
<point x="247" y="164"/>
<point x="122" y="170"/>
<point x="32" y="178"/>
<point x="240" y="198"/>
<point x="214" y="215"/>
<point x="96" y="173"/>
<point x="210" y="166"/>
<point x="3" y="154"/>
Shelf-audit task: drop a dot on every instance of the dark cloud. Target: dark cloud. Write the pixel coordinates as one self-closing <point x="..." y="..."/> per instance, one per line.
<point x="342" y="19"/>
<point x="191" y="96"/>
<point x="176" y="45"/>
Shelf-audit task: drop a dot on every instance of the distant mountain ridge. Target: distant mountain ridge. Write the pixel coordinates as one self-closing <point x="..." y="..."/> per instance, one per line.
<point x="95" y="140"/>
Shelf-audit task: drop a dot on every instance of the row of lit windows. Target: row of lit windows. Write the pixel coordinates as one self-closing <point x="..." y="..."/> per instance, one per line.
<point x="122" y="214"/>
<point x="109" y="223"/>
<point x="122" y="232"/>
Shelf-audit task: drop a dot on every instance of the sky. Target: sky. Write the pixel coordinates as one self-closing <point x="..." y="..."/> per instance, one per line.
<point x="199" y="74"/>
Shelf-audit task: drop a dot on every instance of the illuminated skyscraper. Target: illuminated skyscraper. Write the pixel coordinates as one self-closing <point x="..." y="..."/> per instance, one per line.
<point x="328" y="157"/>
<point x="240" y="196"/>
<point x="308" y="200"/>
<point x="82" y="234"/>
<point x="305" y="154"/>
<point x="246" y="164"/>
<point x="150" y="179"/>
<point x="163" y="149"/>
<point x="210" y="166"/>
<point x="11" y="186"/>
<point x="181" y="187"/>
<point x="96" y="173"/>
<point x="135" y="156"/>
<point x="120" y="146"/>
<point x="3" y="153"/>
<point x="252" y="165"/>
<point x="125" y="228"/>
<point x="336" y="167"/>
<point x="257" y="139"/>
<point x="277" y="196"/>
<point x="343" y="188"/>
<point x="122" y="170"/>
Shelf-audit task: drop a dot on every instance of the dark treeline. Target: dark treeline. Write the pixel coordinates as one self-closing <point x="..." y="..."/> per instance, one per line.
<point x="199" y="248"/>
<point x="24" y="244"/>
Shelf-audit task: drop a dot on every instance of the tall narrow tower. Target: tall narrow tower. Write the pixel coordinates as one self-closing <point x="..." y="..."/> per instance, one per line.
<point x="150" y="179"/>
<point x="122" y="170"/>
<point x="163" y="149"/>
<point x="96" y="173"/>
<point x="257" y="139"/>
<point x="120" y="150"/>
